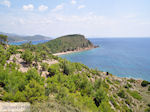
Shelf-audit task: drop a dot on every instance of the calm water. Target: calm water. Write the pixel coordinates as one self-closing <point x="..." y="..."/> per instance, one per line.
<point x="122" y="57"/>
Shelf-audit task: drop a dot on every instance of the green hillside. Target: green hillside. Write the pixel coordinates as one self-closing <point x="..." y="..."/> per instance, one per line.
<point x="53" y="84"/>
<point x="68" y="43"/>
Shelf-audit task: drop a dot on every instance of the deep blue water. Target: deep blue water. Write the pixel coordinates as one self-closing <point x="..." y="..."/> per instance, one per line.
<point x="123" y="57"/>
<point x="33" y="42"/>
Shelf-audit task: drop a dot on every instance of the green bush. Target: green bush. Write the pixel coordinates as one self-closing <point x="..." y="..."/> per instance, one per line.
<point x="4" y="55"/>
<point x="100" y="96"/>
<point x="131" y="80"/>
<point x="122" y="94"/>
<point x="147" y="110"/>
<point x="27" y="56"/>
<point x="114" y="102"/>
<point x="144" y="83"/>
<point x="44" y="66"/>
<point x="128" y="86"/>
<point x="34" y="91"/>
<point x="33" y="74"/>
<point x="105" y="107"/>
<point x="135" y="94"/>
<point x="12" y="49"/>
<point x="54" y="69"/>
<point x="67" y="68"/>
<point x="149" y="88"/>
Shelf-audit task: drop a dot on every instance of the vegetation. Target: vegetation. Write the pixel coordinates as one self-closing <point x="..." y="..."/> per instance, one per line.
<point x="67" y="43"/>
<point x="144" y="83"/>
<point x="149" y="88"/>
<point x="28" y="56"/>
<point x="122" y="94"/>
<point x="3" y="39"/>
<point x="65" y="86"/>
<point x="135" y="94"/>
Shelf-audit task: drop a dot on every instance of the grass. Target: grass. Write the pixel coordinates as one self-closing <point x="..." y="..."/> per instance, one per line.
<point x="135" y="94"/>
<point x="52" y="105"/>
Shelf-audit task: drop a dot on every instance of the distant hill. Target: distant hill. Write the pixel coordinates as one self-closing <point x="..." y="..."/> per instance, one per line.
<point x="14" y="37"/>
<point x="68" y="43"/>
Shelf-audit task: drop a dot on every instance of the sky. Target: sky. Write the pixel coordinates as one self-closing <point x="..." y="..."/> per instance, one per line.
<point x="92" y="18"/>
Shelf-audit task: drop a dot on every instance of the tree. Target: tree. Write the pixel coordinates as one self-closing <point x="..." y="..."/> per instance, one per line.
<point x="67" y="67"/>
<point x="44" y="66"/>
<point x="3" y="39"/>
<point x="12" y="49"/>
<point x="53" y="69"/>
<point x="43" y="54"/>
<point x="27" y="56"/>
<point x="34" y="91"/>
<point x="144" y="83"/>
<point x="4" y="55"/>
<point x="100" y="96"/>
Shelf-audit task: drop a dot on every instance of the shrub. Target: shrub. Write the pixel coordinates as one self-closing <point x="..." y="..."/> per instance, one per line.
<point x="114" y="102"/>
<point x="43" y="54"/>
<point x="135" y="94"/>
<point x="62" y="93"/>
<point x="44" y="66"/>
<point x="128" y="86"/>
<point x="53" y="69"/>
<point x="149" y="88"/>
<point x="12" y="66"/>
<point x="144" y="83"/>
<point x="12" y="49"/>
<point x="34" y="91"/>
<point x="33" y="74"/>
<point x="100" y="96"/>
<point x="67" y="68"/>
<point x="121" y="94"/>
<point x="148" y="105"/>
<point x="147" y="110"/>
<point x="131" y="80"/>
<point x="105" y="107"/>
<point x="27" y="56"/>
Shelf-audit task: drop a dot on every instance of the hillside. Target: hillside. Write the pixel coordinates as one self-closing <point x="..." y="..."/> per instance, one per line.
<point x="53" y="84"/>
<point x="14" y="37"/>
<point x="68" y="43"/>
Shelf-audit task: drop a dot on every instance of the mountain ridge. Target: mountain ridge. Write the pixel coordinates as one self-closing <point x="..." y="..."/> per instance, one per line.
<point x="15" y="37"/>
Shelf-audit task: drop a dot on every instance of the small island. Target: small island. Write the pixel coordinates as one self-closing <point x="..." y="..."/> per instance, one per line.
<point x="31" y="73"/>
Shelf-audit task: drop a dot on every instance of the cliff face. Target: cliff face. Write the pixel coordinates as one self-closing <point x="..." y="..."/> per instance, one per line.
<point x="69" y="43"/>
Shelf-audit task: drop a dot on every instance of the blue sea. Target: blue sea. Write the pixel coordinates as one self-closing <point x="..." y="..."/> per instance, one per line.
<point x="123" y="57"/>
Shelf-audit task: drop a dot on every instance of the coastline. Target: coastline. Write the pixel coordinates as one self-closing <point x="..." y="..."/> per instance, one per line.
<point x="69" y="52"/>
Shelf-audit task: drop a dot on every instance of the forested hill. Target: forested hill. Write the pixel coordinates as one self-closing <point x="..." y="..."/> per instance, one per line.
<point x="69" y="43"/>
<point x="15" y="37"/>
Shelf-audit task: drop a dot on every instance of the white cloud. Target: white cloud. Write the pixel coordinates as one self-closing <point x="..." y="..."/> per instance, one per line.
<point x="29" y="7"/>
<point x="21" y="21"/>
<point x="6" y="3"/>
<point x="81" y="7"/>
<point x="58" y="7"/>
<point x="73" y="2"/>
<point x="130" y="16"/>
<point x="43" y="8"/>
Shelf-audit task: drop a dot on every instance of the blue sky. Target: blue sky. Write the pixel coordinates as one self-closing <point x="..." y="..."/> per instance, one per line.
<point x="93" y="18"/>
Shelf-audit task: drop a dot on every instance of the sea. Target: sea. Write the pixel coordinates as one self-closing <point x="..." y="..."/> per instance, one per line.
<point x="123" y="57"/>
